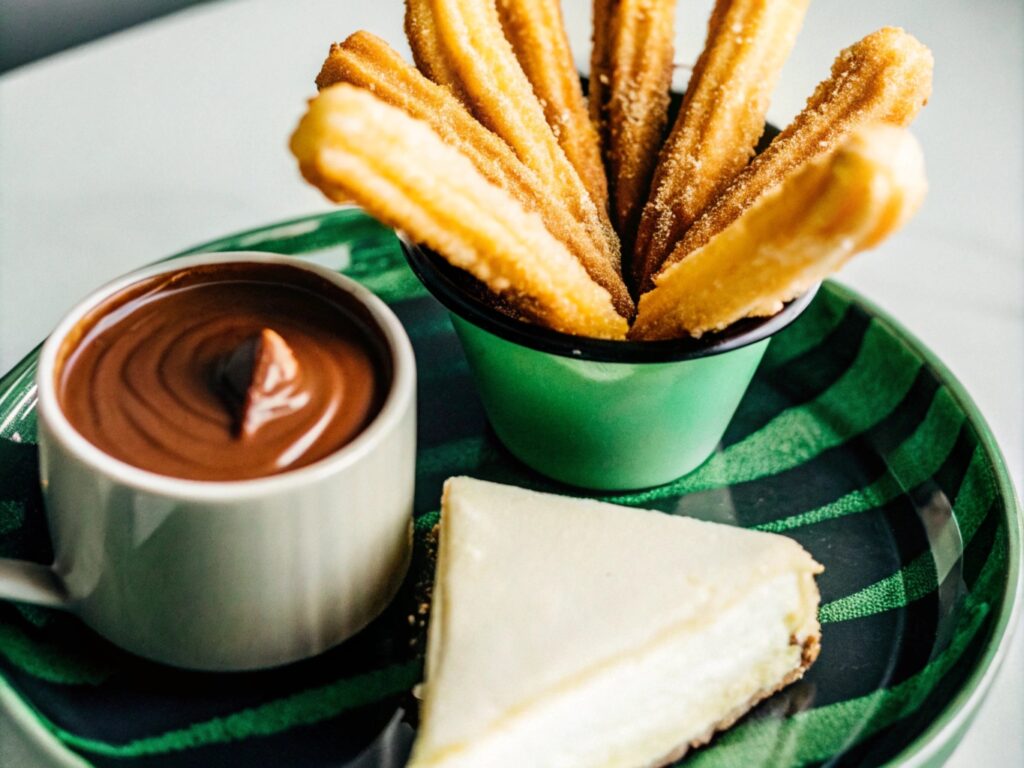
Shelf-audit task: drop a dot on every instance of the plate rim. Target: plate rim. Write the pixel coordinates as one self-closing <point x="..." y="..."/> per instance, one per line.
<point x="930" y="743"/>
<point x="959" y="712"/>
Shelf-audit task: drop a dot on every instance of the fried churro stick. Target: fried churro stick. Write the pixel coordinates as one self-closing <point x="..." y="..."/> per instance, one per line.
<point x="427" y="50"/>
<point x="792" y="237"/>
<point x="470" y="39"/>
<point x="720" y="122"/>
<point x="600" y="80"/>
<point x="885" y="77"/>
<point x="537" y="33"/>
<point x="353" y="145"/>
<point x="631" y="73"/>
<point x="366" y="61"/>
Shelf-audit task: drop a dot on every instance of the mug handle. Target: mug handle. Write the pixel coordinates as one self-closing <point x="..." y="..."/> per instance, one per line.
<point x="33" y="583"/>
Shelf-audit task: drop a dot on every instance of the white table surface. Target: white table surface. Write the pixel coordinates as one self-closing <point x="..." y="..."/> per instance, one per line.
<point x="140" y="144"/>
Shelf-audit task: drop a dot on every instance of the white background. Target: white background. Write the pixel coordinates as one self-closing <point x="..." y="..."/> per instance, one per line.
<point x="144" y="143"/>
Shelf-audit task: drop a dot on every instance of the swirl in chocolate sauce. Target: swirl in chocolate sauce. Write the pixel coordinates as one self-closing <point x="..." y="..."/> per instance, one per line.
<point x="224" y="372"/>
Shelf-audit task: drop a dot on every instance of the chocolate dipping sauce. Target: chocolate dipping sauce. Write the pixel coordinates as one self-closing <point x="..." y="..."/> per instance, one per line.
<point x="224" y="372"/>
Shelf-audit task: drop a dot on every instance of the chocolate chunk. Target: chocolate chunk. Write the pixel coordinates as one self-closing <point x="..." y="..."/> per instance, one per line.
<point x="256" y="381"/>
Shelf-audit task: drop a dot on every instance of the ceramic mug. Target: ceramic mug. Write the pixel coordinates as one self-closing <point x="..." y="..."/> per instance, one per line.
<point x="602" y="415"/>
<point x="226" y="575"/>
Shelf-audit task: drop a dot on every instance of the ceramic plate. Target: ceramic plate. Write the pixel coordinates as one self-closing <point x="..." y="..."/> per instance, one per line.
<point x="852" y="439"/>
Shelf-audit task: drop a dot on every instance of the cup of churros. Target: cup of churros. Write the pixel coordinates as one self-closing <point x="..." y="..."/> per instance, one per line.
<point x="597" y="413"/>
<point x="615" y="275"/>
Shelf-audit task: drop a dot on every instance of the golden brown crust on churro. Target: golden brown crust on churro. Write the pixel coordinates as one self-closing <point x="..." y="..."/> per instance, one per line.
<point x="794" y="236"/>
<point x="720" y="122"/>
<point x="427" y="50"/>
<point x="366" y="61"/>
<point x="537" y="34"/>
<point x="351" y="143"/>
<point x="493" y="156"/>
<point x="885" y="77"/>
<point x="637" y="65"/>
<point x="497" y="91"/>
<point x="600" y="79"/>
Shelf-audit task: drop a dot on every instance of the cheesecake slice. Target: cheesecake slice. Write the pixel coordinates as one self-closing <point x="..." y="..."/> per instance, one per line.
<point x="568" y="632"/>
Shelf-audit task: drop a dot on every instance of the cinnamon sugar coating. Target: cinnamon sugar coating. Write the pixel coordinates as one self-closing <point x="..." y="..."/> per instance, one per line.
<point x="885" y="77"/>
<point x="720" y="122"/>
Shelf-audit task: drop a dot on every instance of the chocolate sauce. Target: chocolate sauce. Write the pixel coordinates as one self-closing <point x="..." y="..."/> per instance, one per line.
<point x="224" y="372"/>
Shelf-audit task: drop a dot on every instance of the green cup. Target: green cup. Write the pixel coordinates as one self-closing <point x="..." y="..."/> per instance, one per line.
<point x="603" y="415"/>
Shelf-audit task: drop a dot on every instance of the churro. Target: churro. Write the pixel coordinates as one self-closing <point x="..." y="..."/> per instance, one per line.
<point x="427" y="49"/>
<point x="471" y="41"/>
<point x="720" y="122"/>
<point x="631" y="73"/>
<point x="366" y="61"/>
<point x="885" y="77"/>
<point x="537" y="34"/>
<point x="794" y="236"/>
<point x="485" y="154"/>
<point x="600" y="79"/>
<point x="352" y="144"/>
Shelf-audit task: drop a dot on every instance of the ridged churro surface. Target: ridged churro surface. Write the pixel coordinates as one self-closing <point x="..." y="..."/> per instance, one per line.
<point x="427" y="49"/>
<point x="793" y="237"/>
<point x="721" y="120"/>
<point x="537" y="34"/>
<point x="366" y="61"/>
<point x="487" y="154"/>
<point x="885" y="77"/>
<point x="630" y="81"/>
<point x="470" y="39"/>
<point x="352" y="145"/>
<point x="600" y="79"/>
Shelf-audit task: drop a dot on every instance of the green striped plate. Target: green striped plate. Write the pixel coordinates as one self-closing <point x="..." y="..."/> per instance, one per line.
<point x="853" y="439"/>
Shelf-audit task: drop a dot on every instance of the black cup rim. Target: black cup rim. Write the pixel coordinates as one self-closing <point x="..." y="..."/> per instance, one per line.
<point x="438" y="277"/>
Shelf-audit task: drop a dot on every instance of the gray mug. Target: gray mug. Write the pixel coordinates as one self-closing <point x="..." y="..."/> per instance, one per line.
<point x="226" y="575"/>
